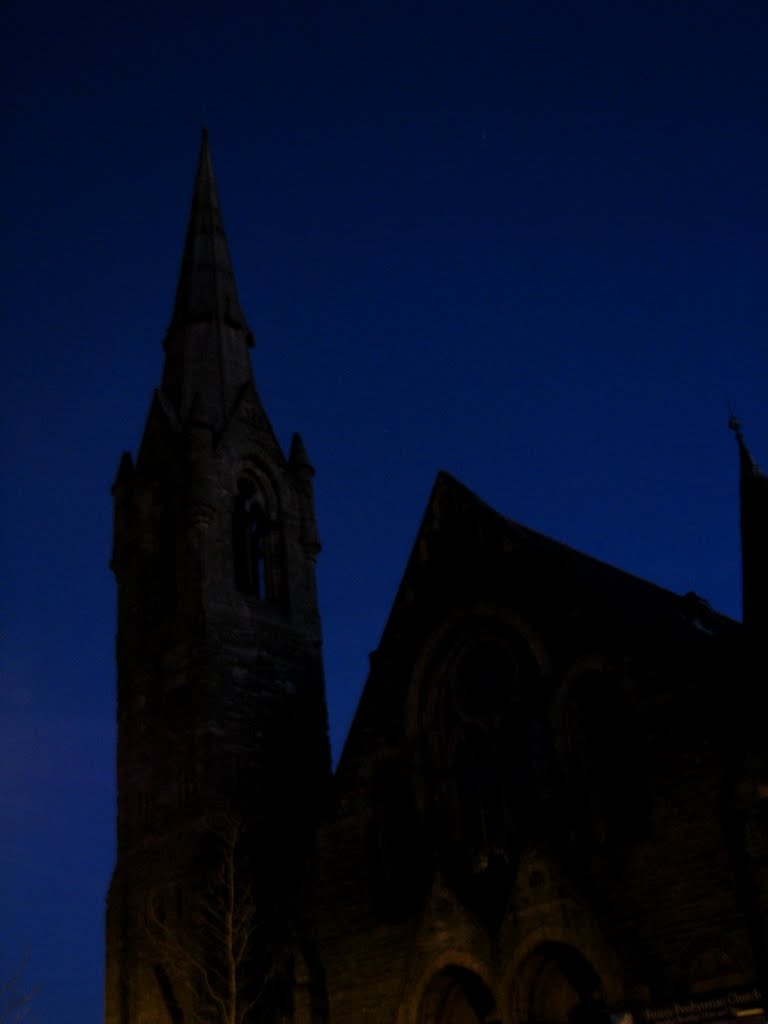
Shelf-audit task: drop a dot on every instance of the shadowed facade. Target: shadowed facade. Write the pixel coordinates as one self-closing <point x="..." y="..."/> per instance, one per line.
<point x="552" y="805"/>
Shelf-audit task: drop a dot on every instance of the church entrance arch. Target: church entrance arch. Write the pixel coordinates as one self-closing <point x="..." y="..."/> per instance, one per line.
<point x="457" y="996"/>
<point x="558" y="985"/>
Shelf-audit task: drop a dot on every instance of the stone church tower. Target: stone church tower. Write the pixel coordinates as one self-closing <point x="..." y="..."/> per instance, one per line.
<point x="222" y="733"/>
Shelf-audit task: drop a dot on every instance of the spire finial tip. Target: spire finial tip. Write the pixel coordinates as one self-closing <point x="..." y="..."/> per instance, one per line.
<point x="734" y="425"/>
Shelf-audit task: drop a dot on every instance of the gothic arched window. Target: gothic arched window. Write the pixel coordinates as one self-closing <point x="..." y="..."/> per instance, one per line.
<point x="251" y="533"/>
<point x="557" y="984"/>
<point x="457" y="996"/>
<point x="495" y="746"/>
<point x="479" y="789"/>
<point x="522" y="760"/>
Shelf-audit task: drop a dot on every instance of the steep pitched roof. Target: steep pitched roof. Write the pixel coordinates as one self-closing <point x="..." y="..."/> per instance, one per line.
<point x="532" y="550"/>
<point x="468" y="559"/>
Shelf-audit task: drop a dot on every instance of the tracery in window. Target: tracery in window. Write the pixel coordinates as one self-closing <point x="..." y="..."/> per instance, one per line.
<point x="479" y="789"/>
<point x="523" y="760"/>
<point x="251" y="539"/>
<point x="496" y="746"/>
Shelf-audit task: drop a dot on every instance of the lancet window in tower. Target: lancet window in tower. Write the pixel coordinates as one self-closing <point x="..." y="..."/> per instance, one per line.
<point x="251" y="536"/>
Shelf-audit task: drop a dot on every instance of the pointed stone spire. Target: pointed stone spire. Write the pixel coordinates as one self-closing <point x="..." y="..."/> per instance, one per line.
<point x="207" y="341"/>
<point x="206" y="290"/>
<point x="753" y="494"/>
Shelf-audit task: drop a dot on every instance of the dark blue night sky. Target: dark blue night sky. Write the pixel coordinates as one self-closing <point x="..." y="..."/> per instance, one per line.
<point x="525" y="242"/>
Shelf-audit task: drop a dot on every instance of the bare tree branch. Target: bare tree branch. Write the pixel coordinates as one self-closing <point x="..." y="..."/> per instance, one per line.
<point x="217" y="949"/>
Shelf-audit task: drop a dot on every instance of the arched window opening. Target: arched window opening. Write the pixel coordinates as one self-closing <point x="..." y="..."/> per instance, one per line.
<point x="558" y="985"/>
<point x="487" y="677"/>
<point x="480" y="797"/>
<point x="457" y="996"/>
<point x="251" y="535"/>
<point x="521" y="761"/>
<point x="497" y="744"/>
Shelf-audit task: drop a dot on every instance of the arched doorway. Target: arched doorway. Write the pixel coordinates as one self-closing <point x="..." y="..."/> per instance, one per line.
<point x="457" y="996"/>
<point x="558" y="985"/>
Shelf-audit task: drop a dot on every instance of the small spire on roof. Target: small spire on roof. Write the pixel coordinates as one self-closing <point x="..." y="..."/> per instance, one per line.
<point x="298" y="457"/>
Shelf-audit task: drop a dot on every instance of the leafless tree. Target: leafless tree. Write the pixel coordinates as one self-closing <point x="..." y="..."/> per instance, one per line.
<point x="217" y="949"/>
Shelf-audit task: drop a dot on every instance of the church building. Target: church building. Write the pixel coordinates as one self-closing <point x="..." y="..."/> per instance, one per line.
<point x="552" y="805"/>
